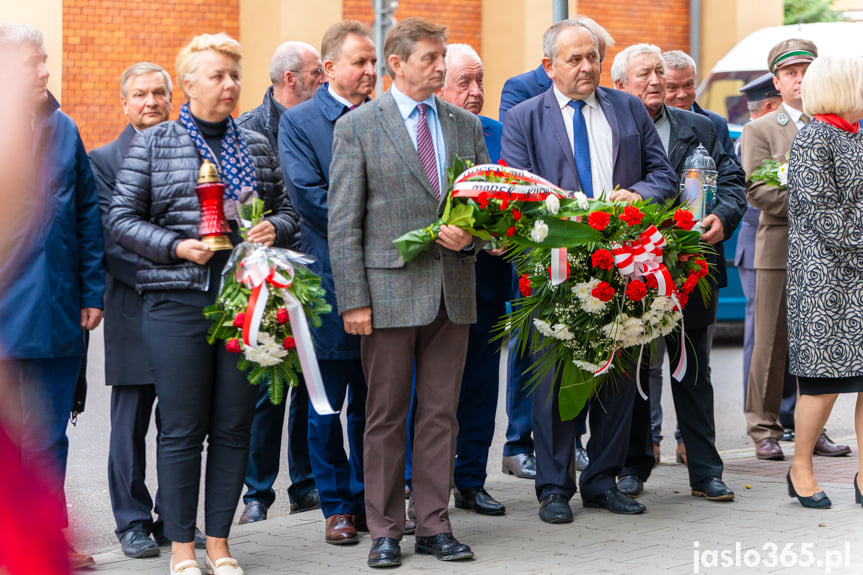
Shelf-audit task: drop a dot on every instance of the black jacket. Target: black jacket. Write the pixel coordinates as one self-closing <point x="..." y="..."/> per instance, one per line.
<point x="688" y="130"/>
<point x="155" y="206"/>
<point x="264" y="120"/>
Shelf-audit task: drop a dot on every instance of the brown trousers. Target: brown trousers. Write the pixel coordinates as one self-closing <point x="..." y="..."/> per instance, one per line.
<point x="769" y="355"/>
<point x="388" y="358"/>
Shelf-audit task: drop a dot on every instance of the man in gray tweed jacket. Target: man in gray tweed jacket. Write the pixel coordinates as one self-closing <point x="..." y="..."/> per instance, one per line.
<point x="388" y="177"/>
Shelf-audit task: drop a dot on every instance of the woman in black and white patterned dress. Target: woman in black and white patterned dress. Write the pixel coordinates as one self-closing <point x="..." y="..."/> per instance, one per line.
<point x="825" y="262"/>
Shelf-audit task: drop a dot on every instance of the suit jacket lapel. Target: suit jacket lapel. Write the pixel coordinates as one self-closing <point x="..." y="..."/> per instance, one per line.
<point x="395" y="127"/>
<point x="553" y="113"/>
<point x="608" y="110"/>
<point x="676" y="138"/>
<point x="789" y="130"/>
<point x="450" y="138"/>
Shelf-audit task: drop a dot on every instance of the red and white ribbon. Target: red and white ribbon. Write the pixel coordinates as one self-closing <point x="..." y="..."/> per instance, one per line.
<point x="521" y="185"/>
<point x="559" y="269"/>
<point x="258" y="272"/>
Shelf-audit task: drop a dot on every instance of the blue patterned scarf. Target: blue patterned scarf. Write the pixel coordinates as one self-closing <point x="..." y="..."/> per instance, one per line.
<point x="236" y="169"/>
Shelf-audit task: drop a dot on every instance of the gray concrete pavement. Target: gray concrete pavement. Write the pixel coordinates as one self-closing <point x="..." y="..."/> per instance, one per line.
<point x="662" y="540"/>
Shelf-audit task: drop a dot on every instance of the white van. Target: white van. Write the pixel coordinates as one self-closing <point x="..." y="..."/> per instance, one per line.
<point x="720" y="90"/>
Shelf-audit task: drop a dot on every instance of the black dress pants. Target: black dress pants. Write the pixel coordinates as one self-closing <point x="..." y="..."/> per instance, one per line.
<point x="201" y="395"/>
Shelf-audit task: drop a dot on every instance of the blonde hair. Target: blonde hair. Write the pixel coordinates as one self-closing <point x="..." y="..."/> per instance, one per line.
<point x="833" y="84"/>
<point x="187" y="59"/>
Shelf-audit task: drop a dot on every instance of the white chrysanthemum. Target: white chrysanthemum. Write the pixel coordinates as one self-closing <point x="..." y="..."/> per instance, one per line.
<point x="582" y="290"/>
<point x="593" y="305"/>
<point x="560" y="331"/>
<point x="586" y="366"/>
<point x="268" y="352"/>
<point x="542" y="327"/>
<point x="782" y="173"/>
<point x="539" y="231"/>
<point x="553" y="204"/>
<point x="662" y="304"/>
<point x="581" y="200"/>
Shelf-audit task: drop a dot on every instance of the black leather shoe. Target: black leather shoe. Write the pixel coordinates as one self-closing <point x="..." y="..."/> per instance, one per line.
<point x="307" y="502"/>
<point x="385" y="552"/>
<point x="817" y="501"/>
<point x="137" y="544"/>
<point x="555" y="508"/>
<point x="443" y="546"/>
<point x="477" y="499"/>
<point x="858" y="496"/>
<point x="630" y="485"/>
<point x="200" y="539"/>
<point x="522" y="465"/>
<point x="581" y="458"/>
<point x="714" y="489"/>
<point x="255" y="511"/>
<point x="615" y="501"/>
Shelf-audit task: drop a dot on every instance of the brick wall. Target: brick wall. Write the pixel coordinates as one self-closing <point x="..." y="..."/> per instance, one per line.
<point x="463" y="18"/>
<point x="101" y="38"/>
<point x="661" y="22"/>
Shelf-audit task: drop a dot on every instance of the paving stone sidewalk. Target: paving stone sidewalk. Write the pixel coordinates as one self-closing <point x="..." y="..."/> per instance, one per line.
<point x="762" y="531"/>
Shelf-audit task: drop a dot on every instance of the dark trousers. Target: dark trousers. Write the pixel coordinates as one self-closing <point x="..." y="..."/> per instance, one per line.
<point x="202" y="395"/>
<point x="46" y="388"/>
<point x="266" y="446"/>
<point x="388" y="357"/>
<point x="693" y="403"/>
<point x="477" y="404"/>
<point x="131" y="409"/>
<point x="609" y="419"/>
<point x="339" y="476"/>
<point x="519" y="403"/>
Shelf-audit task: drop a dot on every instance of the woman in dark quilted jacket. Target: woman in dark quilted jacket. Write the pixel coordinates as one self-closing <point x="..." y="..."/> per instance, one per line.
<point x="155" y="213"/>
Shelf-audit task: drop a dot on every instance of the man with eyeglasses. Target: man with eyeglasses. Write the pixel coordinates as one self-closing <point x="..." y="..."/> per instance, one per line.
<point x="296" y="72"/>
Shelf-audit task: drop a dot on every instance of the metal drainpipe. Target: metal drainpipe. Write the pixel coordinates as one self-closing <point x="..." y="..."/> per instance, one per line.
<point x="560" y="10"/>
<point x="695" y="32"/>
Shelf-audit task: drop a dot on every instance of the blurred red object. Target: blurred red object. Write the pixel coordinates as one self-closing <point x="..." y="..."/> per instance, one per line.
<point x="31" y="521"/>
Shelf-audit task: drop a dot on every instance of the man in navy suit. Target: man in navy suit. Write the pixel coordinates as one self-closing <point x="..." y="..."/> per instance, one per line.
<point x="305" y="148"/>
<point x="478" y="397"/>
<point x="518" y="458"/>
<point x="145" y="90"/>
<point x="618" y="147"/>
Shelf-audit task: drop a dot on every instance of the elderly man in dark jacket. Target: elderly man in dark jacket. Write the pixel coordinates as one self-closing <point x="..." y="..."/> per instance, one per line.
<point x="145" y="90"/>
<point x="51" y="290"/>
<point x="640" y="70"/>
<point x="296" y="73"/>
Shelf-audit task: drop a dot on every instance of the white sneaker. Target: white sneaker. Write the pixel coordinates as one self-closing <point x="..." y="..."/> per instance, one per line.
<point x="223" y="566"/>
<point x="187" y="567"/>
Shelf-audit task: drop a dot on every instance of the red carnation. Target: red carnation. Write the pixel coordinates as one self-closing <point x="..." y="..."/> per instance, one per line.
<point x="282" y="315"/>
<point x="510" y="232"/>
<point x="289" y="343"/>
<point x="524" y="285"/>
<point x="636" y="290"/>
<point x="598" y="220"/>
<point x="603" y="291"/>
<point x="516" y="215"/>
<point x="703" y="270"/>
<point x="239" y="320"/>
<point x="682" y="298"/>
<point x="631" y="215"/>
<point x="602" y="259"/>
<point x="651" y="282"/>
<point x="503" y="163"/>
<point x="482" y="200"/>
<point x="504" y="204"/>
<point x="233" y="346"/>
<point x="689" y="284"/>
<point x="684" y="219"/>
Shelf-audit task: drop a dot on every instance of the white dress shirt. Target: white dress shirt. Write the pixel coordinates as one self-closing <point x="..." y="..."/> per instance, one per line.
<point x="599" y="137"/>
<point x="795" y="116"/>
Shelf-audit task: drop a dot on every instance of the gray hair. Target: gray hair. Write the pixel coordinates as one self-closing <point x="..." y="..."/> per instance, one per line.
<point x="288" y="57"/>
<point x="13" y="35"/>
<point x="679" y="60"/>
<point x="549" y="38"/>
<point x="620" y="66"/>
<point x="453" y="50"/>
<point x="600" y="32"/>
<point x="139" y="69"/>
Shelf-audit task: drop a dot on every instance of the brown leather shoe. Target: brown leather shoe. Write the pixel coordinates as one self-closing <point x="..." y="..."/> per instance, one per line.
<point x="341" y="530"/>
<point x="768" y="449"/>
<point x="78" y="560"/>
<point x="825" y="446"/>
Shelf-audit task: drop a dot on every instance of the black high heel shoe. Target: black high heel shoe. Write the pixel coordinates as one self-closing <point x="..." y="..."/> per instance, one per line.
<point x="858" y="497"/>
<point x="817" y="501"/>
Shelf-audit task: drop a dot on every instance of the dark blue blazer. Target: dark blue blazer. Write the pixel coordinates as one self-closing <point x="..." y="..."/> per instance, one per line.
<point x="534" y="139"/>
<point x="522" y="87"/>
<point x="493" y="274"/>
<point x="306" y="152"/>
<point x="125" y="361"/>
<point x="720" y="124"/>
<point x="56" y="267"/>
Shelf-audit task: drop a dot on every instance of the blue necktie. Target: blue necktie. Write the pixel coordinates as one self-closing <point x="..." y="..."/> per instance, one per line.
<point x="581" y="148"/>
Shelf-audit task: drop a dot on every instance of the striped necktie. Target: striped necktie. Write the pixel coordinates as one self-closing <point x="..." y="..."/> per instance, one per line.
<point x="426" y="151"/>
